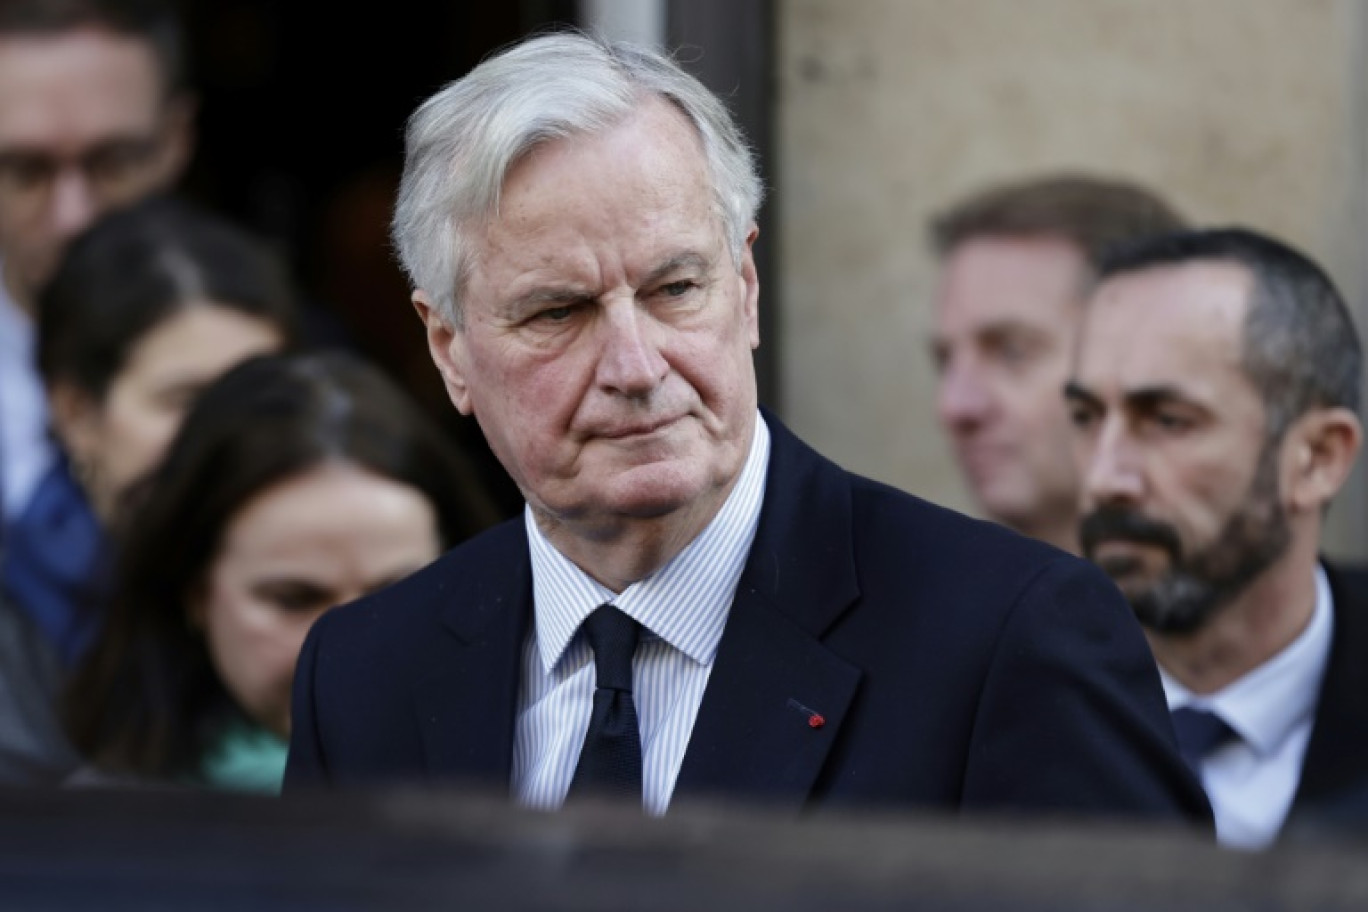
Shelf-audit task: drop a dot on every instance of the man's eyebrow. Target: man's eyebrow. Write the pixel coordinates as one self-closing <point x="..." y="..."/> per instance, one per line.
<point x="1010" y="325"/>
<point x="1077" y="392"/>
<point x="1143" y="399"/>
<point x="547" y="294"/>
<point x="689" y="259"/>
<point x="1150" y="397"/>
<point x="1012" y="331"/>
<point x="118" y="143"/>
<point x="562" y="294"/>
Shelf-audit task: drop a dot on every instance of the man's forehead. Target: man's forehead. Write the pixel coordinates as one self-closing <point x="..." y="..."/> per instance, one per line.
<point x="1011" y="246"/>
<point x="1190" y="293"/>
<point x="991" y="277"/>
<point x="990" y="329"/>
<point x="653" y="127"/>
<point x="637" y="191"/>
<point x="1167" y="326"/>
<point x="67" y="85"/>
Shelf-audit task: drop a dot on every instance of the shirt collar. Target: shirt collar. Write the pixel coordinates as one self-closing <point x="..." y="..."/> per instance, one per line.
<point x="1266" y="705"/>
<point x="685" y="602"/>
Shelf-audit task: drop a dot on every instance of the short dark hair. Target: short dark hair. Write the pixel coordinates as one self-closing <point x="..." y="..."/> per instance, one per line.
<point x="1300" y="347"/>
<point x="155" y="21"/>
<point x="136" y="267"/>
<point x="147" y="700"/>
<point x="1093" y="213"/>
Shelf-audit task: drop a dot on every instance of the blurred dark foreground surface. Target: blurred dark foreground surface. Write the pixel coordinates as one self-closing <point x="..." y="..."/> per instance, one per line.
<point x="423" y="850"/>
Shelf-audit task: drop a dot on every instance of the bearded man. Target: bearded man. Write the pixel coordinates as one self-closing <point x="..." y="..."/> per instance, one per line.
<point x="1215" y="398"/>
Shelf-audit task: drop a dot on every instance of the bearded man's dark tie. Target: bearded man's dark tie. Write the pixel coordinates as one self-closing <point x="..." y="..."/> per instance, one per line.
<point x="610" y="760"/>
<point x="1200" y="732"/>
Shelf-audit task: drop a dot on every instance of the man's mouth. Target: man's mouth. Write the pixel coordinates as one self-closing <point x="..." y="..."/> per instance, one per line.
<point x="1122" y="554"/>
<point x="1116" y="532"/>
<point x="638" y="429"/>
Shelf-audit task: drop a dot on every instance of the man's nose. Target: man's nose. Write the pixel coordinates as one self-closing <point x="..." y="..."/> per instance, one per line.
<point x="963" y="399"/>
<point x="630" y="362"/>
<point x="73" y="203"/>
<point x="1113" y="467"/>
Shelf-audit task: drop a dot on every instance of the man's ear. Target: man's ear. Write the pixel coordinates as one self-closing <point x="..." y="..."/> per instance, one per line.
<point x="447" y="346"/>
<point x="1322" y="446"/>
<point x="751" y="287"/>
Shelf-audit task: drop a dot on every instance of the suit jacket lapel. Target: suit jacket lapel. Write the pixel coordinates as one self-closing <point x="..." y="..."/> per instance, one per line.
<point x="777" y="697"/>
<point x="466" y="683"/>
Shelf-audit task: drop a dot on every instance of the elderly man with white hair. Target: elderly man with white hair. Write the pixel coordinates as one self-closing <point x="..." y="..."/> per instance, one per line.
<point x="695" y="603"/>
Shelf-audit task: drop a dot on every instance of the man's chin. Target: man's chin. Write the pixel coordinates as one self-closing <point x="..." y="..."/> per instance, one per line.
<point x="1134" y="587"/>
<point x="653" y="491"/>
<point x="642" y="492"/>
<point x="1133" y="576"/>
<point x="1000" y="496"/>
<point x="1125" y="569"/>
<point x="1178" y="608"/>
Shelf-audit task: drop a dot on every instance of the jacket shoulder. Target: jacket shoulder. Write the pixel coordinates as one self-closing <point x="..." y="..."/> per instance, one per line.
<point x="459" y="582"/>
<point x="901" y="531"/>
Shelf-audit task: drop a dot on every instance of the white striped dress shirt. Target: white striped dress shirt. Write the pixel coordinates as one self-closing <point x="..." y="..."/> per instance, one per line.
<point x="682" y="608"/>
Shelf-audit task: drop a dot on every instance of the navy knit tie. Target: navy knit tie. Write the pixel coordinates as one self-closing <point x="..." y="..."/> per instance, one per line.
<point x="1200" y="732"/>
<point x="610" y="760"/>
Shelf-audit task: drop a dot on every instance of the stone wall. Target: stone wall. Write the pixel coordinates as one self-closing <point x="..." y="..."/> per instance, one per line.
<point x="1247" y="111"/>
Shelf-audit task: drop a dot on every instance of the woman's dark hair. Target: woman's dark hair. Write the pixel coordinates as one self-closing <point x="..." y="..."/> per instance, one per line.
<point x="136" y="267"/>
<point x="147" y="701"/>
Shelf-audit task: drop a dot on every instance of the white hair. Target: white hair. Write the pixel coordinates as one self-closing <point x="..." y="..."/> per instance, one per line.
<point x="462" y="142"/>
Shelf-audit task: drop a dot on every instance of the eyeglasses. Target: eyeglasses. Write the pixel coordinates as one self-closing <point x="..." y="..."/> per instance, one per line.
<point x="111" y="170"/>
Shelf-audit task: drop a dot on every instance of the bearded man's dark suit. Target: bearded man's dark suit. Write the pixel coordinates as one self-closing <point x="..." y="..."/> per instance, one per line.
<point x="953" y="665"/>
<point x="1332" y="793"/>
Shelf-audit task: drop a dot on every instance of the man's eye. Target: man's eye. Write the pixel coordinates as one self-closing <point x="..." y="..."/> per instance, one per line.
<point x="1171" y="422"/>
<point x="27" y="172"/>
<point x="1014" y="351"/>
<point x="679" y="289"/>
<point x="1082" y="418"/>
<point x="556" y="314"/>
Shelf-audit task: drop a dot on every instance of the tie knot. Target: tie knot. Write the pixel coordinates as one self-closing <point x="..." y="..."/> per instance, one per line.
<point x="613" y="637"/>
<point x="1200" y="732"/>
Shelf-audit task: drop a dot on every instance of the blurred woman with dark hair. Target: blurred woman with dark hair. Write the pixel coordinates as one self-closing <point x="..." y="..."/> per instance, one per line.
<point x="295" y="484"/>
<point x="147" y="307"/>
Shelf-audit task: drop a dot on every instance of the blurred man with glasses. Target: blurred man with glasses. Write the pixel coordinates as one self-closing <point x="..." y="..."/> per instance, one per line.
<point x="94" y="113"/>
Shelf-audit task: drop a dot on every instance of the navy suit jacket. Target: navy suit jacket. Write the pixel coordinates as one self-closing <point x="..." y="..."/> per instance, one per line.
<point x="1332" y="794"/>
<point x="957" y="666"/>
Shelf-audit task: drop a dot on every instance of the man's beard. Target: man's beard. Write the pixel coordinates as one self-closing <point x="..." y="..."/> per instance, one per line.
<point x="1197" y="584"/>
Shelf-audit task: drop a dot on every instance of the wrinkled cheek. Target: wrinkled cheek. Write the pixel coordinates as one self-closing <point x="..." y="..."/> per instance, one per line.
<point x="514" y="448"/>
<point x="539" y="464"/>
<point x="528" y="426"/>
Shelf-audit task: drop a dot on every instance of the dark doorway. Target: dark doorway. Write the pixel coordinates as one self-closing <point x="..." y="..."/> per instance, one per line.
<point x="301" y="139"/>
<point x="301" y="124"/>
